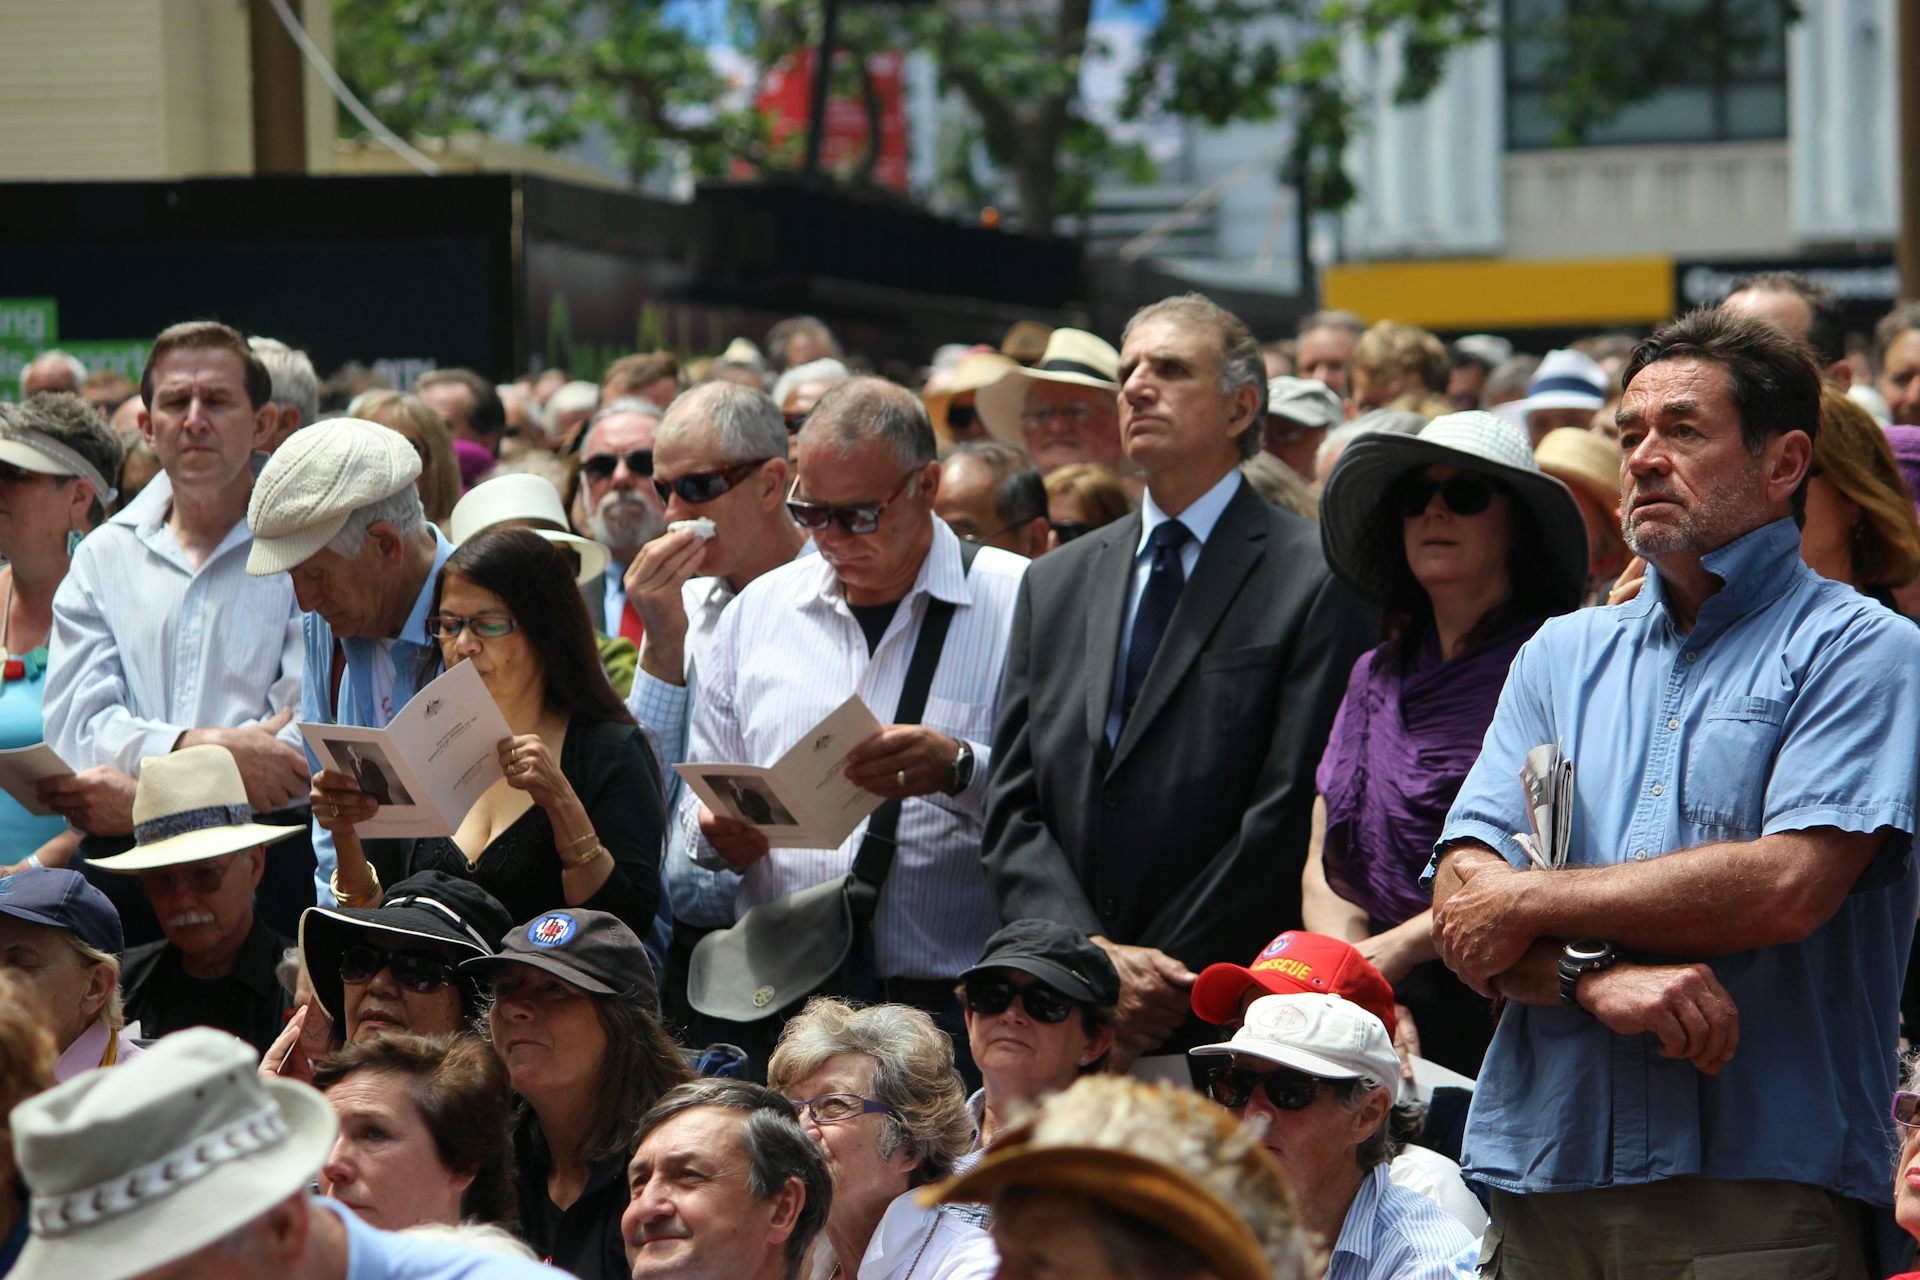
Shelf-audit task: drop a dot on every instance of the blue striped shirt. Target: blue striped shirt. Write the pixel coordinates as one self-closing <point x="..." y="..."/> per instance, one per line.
<point x="789" y="651"/>
<point x="1391" y="1233"/>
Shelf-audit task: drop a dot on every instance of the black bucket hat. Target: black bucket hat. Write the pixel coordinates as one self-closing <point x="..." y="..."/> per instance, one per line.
<point x="429" y="906"/>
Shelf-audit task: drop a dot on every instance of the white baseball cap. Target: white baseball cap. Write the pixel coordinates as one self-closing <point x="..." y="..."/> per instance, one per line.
<point x="1322" y="1035"/>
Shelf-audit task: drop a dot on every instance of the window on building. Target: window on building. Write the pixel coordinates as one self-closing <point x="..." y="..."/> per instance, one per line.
<point x="1693" y="94"/>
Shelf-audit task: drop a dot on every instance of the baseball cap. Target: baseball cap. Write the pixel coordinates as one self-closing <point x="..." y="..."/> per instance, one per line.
<point x="1293" y="963"/>
<point x="63" y="899"/>
<point x="1057" y="954"/>
<point x="1323" y="1036"/>
<point x="1305" y="401"/>
<point x="315" y="481"/>
<point x="591" y="949"/>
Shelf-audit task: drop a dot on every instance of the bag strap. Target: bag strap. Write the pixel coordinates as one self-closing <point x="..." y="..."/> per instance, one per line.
<point x="875" y="859"/>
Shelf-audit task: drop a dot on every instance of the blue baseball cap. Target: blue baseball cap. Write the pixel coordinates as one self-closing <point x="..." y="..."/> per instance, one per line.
<point x="63" y="899"/>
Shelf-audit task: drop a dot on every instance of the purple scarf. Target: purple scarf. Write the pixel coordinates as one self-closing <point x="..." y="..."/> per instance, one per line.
<point x="1401" y="746"/>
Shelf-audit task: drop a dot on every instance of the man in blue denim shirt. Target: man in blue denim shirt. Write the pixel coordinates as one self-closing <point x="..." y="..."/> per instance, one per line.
<point x="1704" y="1002"/>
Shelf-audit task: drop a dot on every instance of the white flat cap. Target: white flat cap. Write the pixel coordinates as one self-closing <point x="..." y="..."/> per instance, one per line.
<point x="315" y="481"/>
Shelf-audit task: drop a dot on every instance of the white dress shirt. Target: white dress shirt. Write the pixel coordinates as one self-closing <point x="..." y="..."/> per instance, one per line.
<point x="788" y="651"/>
<point x="146" y="647"/>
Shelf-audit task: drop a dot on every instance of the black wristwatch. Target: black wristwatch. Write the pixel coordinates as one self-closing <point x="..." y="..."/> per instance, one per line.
<point x="962" y="770"/>
<point x="1582" y="956"/>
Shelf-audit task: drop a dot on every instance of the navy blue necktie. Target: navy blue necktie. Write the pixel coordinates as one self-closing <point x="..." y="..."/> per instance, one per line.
<point x="1157" y="602"/>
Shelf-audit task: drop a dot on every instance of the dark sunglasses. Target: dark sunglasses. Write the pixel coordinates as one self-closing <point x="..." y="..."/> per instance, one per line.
<point x="1466" y="495"/>
<point x="1068" y="530"/>
<point x="200" y="877"/>
<point x="860" y="520"/>
<point x="414" y="970"/>
<point x="989" y="996"/>
<point x="960" y="417"/>
<point x="1232" y="1087"/>
<point x="794" y="421"/>
<point x="705" y="486"/>
<point x="601" y="466"/>
<point x="1906" y="1109"/>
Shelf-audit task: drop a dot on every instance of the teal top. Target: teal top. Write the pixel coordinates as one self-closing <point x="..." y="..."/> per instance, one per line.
<point x="22" y="832"/>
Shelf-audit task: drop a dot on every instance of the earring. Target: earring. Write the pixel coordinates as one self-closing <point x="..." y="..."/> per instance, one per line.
<point x="73" y="541"/>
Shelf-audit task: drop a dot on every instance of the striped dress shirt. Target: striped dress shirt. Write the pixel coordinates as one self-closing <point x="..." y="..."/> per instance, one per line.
<point x="1391" y="1233"/>
<point x="145" y="646"/>
<point x="787" y="652"/>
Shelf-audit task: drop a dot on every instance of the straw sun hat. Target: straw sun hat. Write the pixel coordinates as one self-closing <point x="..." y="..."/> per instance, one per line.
<point x="190" y="806"/>
<point x="1073" y="356"/>
<point x="530" y="500"/>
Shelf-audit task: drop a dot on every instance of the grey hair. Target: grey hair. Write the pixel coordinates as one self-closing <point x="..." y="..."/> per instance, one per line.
<point x="616" y="408"/>
<point x="71" y="421"/>
<point x="1019" y="491"/>
<point x="913" y="1075"/>
<point x="286" y="970"/>
<point x="777" y="1149"/>
<point x="570" y="396"/>
<point x="746" y="423"/>
<point x="401" y="509"/>
<point x="863" y="409"/>
<point x="1331" y="319"/>
<point x="294" y="381"/>
<point x="826" y="369"/>
<point x="72" y="363"/>
<point x="1241" y="364"/>
<point x="1379" y="1146"/>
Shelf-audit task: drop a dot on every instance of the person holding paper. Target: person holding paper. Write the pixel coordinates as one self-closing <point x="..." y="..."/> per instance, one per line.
<point x="1738" y="901"/>
<point x="576" y="820"/>
<point x="1467" y="546"/>
<point x="58" y="461"/>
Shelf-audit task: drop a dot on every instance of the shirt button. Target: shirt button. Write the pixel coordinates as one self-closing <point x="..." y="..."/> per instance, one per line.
<point x="1110" y="798"/>
<point x="1692" y="656"/>
<point x="1673" y="724"/>
<point x="1659" y="790"/>
<point x="1639" y="855"/>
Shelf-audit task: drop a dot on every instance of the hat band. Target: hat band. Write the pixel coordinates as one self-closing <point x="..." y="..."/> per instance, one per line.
<point x="55" y="1216"/>
<point x="169" y="825"/>
<point x="453" y="917"/>
<point x="1565" y="382"/>
<point x="1072" y="366"/>
<point x="42" y="443"/>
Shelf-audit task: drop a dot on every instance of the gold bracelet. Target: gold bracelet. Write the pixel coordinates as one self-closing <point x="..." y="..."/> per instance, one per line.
<point x="587" y="839"/>
<point x="344" y="899"/>
<point x="598" y="851"/>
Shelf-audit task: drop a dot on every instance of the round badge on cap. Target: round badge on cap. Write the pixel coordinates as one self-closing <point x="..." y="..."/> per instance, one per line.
<point x="1275" y="947"/>
<point x="555" y="929"/>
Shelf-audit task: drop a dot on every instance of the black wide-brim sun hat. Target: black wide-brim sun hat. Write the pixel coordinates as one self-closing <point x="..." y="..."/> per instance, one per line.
<point x="1477" y="441"/>
<point x="429" y="907"/>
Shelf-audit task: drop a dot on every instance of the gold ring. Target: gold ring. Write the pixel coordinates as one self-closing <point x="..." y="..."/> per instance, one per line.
<point x="336" y="809"/>
<point x="901" y="777"/>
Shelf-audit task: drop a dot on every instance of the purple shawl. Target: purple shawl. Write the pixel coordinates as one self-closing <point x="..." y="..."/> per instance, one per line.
<point x="1400" y="748"/>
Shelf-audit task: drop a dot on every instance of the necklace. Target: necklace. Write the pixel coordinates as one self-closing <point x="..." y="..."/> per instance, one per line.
<point x="920" y="1253"/>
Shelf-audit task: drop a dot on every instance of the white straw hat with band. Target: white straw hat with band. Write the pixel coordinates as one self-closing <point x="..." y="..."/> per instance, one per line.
<point x="36" y="451"/>
<point x="1073" y="356"/>
<point x="530" y="500"/>
<point x="190" y="805"/>
<point x="144" y="1163"/>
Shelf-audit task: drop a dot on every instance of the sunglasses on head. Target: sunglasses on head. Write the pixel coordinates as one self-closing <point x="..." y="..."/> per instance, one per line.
<point x="1288" y="1090"/>
<point x="1465" y="495"/>
<point x="988" y="996"/>
<point x="601" y="466"/>
<point x="1906" y="1109"/>
<point x="414" y="970"/>
<point x="705" y="486"/>
<point x="858" y="519"/>
<point x="201" y="877"/>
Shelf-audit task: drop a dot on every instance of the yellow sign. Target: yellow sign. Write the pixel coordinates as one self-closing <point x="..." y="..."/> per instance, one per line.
<point x="1497" y="293"/>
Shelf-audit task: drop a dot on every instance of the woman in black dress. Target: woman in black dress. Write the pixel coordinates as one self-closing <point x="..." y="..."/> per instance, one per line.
<point x="577" y="820"/>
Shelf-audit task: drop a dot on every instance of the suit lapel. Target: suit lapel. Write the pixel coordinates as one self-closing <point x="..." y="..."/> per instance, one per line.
<point x="1111" y="578"/>
<point x="1225" y="561"/>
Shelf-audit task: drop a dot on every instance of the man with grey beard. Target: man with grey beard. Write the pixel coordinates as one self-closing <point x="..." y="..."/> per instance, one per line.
<point x="616" y="504"/>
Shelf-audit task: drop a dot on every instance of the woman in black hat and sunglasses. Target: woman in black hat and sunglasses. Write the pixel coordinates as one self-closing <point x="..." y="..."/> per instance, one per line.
<point x="1467" y="546"/>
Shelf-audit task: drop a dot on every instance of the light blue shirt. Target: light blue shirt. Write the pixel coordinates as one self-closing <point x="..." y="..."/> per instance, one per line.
<point x="373" y="1254"/>
<point x="1391" y="1233"/>
<point x="613" y="586"/>
<point x="1794" y="703"/>
<point x="358" y="704"/>
<point x="1199" y="517"/>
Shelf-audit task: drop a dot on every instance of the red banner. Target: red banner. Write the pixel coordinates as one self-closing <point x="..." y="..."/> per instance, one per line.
<point x="786" y="95"/>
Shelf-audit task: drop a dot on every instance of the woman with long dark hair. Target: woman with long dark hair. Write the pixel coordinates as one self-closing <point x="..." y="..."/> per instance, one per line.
<point x="1467" y="546"/>
<point x="577" y="820"/>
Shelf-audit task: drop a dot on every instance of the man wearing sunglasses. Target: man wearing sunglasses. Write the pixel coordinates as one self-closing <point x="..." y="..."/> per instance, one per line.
<point x="616" y="504"/>
<point x="1172" y="679"/>
<point x="806" y="636"/>
<point x="721" y="454"/>
<point x="1317" y="1071"/>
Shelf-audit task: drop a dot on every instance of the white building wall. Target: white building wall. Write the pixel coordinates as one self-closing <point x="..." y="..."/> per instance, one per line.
<point x="1842" y="122"/>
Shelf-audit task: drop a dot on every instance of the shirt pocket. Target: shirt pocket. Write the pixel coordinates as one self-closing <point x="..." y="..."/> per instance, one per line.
<point x="971" y="721"/>
<point x="1729" y="761"/>
<point x="1259" y="655"/>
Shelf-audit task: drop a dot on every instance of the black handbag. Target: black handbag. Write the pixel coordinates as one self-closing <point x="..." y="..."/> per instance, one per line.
<point x="781" y="952"/>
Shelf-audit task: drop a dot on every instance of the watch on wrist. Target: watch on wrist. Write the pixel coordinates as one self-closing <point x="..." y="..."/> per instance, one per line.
<point x="962" y="770"/>
<point x="1579" y="957"/>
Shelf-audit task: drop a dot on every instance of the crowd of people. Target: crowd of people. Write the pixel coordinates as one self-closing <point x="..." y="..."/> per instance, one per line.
<point x="1356" y="805"/>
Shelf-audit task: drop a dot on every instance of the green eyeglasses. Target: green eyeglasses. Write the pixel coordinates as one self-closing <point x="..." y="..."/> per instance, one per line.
<point x="486" y="626"/>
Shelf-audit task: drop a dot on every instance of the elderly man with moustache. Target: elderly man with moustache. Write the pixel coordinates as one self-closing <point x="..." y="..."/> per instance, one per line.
<point x="720" y="455"/>
<point x="616" y="504"/>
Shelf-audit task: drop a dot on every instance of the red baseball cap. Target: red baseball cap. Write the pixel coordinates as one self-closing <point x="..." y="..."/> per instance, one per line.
<point x="1296" y="961"/>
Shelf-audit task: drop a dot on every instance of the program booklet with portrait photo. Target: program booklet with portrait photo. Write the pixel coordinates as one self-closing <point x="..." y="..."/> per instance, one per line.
<point x="429" y="765"/>
<point x="804" y="801"/>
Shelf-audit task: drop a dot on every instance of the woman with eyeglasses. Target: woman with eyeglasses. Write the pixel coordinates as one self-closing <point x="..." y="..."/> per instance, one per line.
<point x="1467" y="546"/>
<point x="1041" y="1007"/>
<point x="1906" y="1164"/>
<point x="576" y="820"/>
<point x="876" y="1087"/>
<point x="394" y="967"/>
<point x="574" y="1015"/>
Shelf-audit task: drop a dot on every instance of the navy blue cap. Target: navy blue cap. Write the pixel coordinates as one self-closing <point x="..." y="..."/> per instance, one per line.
<point x="64" y="900"/>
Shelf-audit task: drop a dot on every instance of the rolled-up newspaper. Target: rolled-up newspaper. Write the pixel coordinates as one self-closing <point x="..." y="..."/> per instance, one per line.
<point x="1547" y="777"/>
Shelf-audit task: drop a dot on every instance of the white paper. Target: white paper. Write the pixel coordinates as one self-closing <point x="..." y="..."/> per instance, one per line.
<point x="430" y="764"/>
<point x="22" y="769"/>
<point x="804" y="801"/>
<point x="1547" y="778"/>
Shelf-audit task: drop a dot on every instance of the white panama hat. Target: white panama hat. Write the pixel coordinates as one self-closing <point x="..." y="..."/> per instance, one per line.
<point x="190" y="805"/>
<point x="522" y="498"/>
<point x="1073" y="356"/>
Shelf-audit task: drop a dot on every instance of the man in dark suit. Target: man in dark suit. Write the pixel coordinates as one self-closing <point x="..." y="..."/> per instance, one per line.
<point x="1171" y="682"/>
